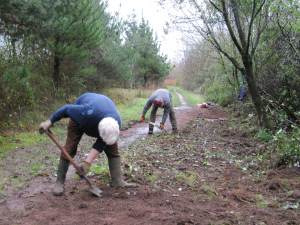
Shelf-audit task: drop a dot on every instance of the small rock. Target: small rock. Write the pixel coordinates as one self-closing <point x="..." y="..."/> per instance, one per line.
<point x="274" y="185"/>
<point x="261" y="223"/>
<point x="296" y="194"/>
<point x="82" y="206"/>
<point x="181" y="168"/>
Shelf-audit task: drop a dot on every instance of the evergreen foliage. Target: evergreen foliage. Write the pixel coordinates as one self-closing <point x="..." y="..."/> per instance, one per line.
<point x="60" y="48"/>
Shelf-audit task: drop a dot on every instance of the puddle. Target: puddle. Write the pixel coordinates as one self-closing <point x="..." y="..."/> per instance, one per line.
<point x="140" y="130"/>
<point x="127" y="137"/>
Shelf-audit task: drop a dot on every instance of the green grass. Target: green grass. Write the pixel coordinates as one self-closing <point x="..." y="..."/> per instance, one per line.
<point x="190" y="97"/>
<point x="35" y="168"/>
<point x="132" y="110"/>
<point x="190" y="178"/>
<point x="24" y="139"/>
<point x="175" y="98"/>
<point x="130" y="103"/>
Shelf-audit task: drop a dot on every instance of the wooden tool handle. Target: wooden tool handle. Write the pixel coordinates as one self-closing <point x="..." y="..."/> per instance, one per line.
<point x="63" y="150"/>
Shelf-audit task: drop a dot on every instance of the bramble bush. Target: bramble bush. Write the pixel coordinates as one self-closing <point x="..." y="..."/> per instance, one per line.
<point x="287" y="145"/>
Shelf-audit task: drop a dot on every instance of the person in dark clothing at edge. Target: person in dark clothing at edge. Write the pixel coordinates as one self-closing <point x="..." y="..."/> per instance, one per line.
<point x="95" y="115"/>
<point x="242" y="93"/>
<point x="161" y="98"/>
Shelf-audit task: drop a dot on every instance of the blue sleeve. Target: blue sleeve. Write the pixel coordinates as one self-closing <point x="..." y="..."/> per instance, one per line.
<point x="64" y="112"/>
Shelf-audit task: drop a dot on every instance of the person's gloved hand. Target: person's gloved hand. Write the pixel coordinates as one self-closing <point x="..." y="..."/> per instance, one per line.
<point x="161" y="126"/>
<point x="84" y="167"/>
<point x="45" y="126"/>
<point x="142" y="119"/>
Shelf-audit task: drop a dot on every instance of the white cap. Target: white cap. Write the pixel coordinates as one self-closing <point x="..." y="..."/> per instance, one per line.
<point x="109" y="130"/>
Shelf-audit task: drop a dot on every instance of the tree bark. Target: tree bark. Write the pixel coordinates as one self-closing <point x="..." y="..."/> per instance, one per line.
<point x="56" y="71"/>
<point x="256" y="98"/>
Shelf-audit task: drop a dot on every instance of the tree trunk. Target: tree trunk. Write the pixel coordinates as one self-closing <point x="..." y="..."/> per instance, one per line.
<point x="256" y="99"/>
<point x="145" y="80"/>
<point x="56" y="68"/>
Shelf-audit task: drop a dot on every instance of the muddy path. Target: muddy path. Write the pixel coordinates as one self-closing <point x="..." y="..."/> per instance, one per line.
<point x="209" y="173"/>
<point x="184" y="114"/>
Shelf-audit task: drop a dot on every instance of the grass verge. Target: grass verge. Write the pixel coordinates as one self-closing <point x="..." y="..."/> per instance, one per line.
<point x="20" y="140"/>
<point x="190" y="97"/>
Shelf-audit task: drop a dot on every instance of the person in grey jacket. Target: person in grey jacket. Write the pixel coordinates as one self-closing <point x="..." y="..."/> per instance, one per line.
<point x="161" y="98"/>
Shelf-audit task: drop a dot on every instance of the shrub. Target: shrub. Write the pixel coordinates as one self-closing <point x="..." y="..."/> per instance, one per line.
<point x="264" y="135"/>
<point x="287" y="146"/>
<point x="16" y="87"/>
<point x="219" y="92"/>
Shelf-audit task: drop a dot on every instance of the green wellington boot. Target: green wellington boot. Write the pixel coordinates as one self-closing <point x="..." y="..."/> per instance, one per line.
<point x="63" y="167"/>
<point x="116" y="174"/>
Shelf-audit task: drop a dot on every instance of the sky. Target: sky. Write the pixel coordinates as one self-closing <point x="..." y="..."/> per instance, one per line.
<point x="171" y="43"/>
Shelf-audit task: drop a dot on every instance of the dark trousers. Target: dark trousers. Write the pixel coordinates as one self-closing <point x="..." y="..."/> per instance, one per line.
<point x="73" y="138"/>
<point x="171" y="117"/>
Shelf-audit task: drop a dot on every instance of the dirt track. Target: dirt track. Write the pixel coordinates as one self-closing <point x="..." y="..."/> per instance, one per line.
<point x="207" y="174"/>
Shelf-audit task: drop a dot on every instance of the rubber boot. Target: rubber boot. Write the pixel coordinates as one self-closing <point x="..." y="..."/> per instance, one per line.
<point x="173" y="121"/>
<point x="116" y="174"/>
<point x="62" y="170"/>
<point x="150" y="129"/>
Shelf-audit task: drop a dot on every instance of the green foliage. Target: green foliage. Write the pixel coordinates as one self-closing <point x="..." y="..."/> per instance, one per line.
<point x="264" y="135"/>
<point x="57" y="49"/>
<point x="99" y="170"/>
<point x="17" y="90"/>
<point x="209" y="190"/>
<point x="287" y="146"/>
<point x="191" y="97"/>
<point x="132" y="110"/>
<point x="189" y="178"/>
<point x="260" y="201"/>
<point x="219" y="92"/>
<point x="130" y="102"/>
<point x="146" y="63"/>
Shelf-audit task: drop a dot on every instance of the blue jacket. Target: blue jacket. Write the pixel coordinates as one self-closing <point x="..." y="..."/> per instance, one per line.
<point x="87" y="111"/>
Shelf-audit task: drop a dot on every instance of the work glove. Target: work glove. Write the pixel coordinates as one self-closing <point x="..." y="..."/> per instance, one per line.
<point x="161" y="126"/>
<point x="84" y="167"/>
<point x="142" y="119"/>
<point x="45" y="126"/>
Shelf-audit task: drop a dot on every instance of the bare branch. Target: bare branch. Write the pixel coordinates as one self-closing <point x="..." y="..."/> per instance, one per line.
<point x="250" y="25"/>
<point x="215" y="6"/>
<point x="229" y="27"/>
<point x="260" y="29"/>
<point x="259" y="8"/>
<point x="239" y="25"/>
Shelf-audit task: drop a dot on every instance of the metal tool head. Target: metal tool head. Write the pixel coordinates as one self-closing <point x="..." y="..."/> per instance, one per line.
<point x="95" y="191"/>
<point x="154" y="124"/>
